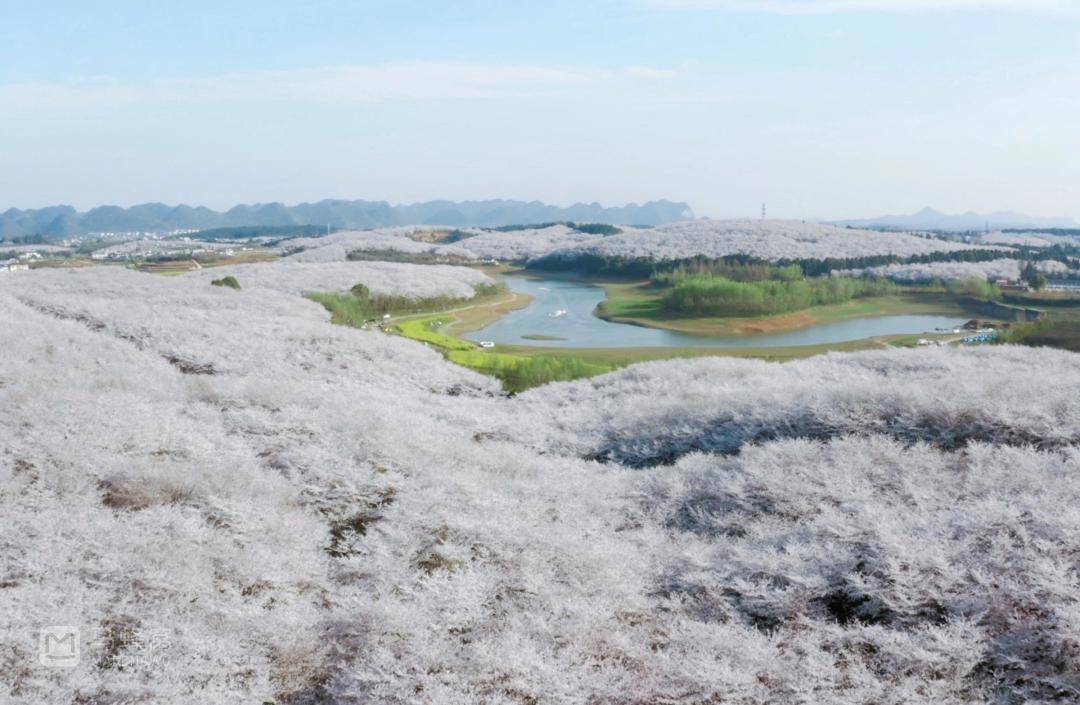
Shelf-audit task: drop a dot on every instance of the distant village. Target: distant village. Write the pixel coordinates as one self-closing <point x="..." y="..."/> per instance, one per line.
<point x="128" y="246"/>
<point x="150" y="249"/>
<point x="1019" y="285"/>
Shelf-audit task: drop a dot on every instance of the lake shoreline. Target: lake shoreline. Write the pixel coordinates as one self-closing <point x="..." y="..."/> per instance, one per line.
<point x="630" y="303"/>
<point x="573" y="313"/>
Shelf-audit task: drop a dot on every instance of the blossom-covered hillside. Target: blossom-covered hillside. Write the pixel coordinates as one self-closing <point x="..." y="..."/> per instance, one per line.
<point x="337" y="246"/>
<point x="237" y="502"/>
<point x="386" y="278"/>
<point x="528" y="243"/>
<point x="767" y="239"/>
<point x="513" y="245"/>
<point x="7" y="248"/>
<point x="946" y="271"/>
<point x="157" y="247"/>
<point x="1031" y="239"/>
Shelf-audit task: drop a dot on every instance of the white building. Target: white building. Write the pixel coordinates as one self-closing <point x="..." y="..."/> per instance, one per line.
<point x="14" y="265"/>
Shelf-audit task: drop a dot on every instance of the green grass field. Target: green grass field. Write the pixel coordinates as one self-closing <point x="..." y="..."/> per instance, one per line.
<point x="520" y="372"/>
<point x="517" y="372"/>
<point x="429" y="330"/>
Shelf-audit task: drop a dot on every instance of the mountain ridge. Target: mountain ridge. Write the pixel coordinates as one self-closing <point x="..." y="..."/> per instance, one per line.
<point x="930" y="219"/>
<point x="65" y="221"/>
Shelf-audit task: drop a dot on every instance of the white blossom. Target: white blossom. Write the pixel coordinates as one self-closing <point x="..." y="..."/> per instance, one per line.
<point x="767" y="239"/>
<point x="1030" y="239"/>
<point x="160" y="247"/>
<point x="236" y="501"/>
<point x="525" y="244"/>
<point x="389" y="278"/>
<point x="946" y="271"/>
<point x="336" y="247"/>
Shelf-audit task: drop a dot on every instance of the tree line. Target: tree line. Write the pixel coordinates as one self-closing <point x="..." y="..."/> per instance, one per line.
<point x="614" y="265"/>
<point x="707" y="295"/>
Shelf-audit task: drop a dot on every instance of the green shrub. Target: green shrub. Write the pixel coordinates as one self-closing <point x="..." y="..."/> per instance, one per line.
<point x="229" y="281"/>
<point x="486" y="290"/>
<point x="595" y="228"/>
<point x="534" y="371"/>
<point x="978" y="288"/>
<point x="457" y="235"/>
<point x="345" y="309"/>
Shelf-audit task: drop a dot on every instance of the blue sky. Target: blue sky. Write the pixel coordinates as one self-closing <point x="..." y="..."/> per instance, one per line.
<point x="822" y="108"/>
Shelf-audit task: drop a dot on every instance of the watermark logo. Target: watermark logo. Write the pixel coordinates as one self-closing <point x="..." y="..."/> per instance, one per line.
<point x="58" y="646"/>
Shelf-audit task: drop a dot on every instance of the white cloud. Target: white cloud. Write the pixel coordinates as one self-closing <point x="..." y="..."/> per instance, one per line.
<point x="388" y="82"/>
<point x="649" y="72"/>
<point x="807" y="7"/>
<point x="403" y="81"/>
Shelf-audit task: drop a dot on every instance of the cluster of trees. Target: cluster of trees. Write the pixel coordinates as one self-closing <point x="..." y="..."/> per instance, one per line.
<point x="457" y="235"/>
<point x="1035" y="279"/>
<point x="37" y="239"/>
<point x="742" y="285"/>
<point x="247" y="232"/>
<point x="589" y="228"/>
<point x="593" y="263"/>
<point x="422" y="257"/>
<point x="616" y="265"/>
<point x="229" y="281"/>
<point x="704" y="295"/>
<point x="748" y="271"/>
<point x="595" y="228"/>
<point x="1066" y="232"/>
<point x="1060" y="252"/>
<point x="819" y="267"/>
<point x="974" y="288"/>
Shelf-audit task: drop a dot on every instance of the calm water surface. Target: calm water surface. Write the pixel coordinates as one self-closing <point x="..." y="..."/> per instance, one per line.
<point x="579" y="328"/>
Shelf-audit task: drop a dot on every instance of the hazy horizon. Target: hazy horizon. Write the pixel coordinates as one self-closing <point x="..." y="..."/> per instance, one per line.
<point x="563" y="205"/>
<point x="824" y="109"/>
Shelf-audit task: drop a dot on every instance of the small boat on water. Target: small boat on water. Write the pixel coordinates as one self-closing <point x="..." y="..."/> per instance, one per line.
<point x="557" y="314"/>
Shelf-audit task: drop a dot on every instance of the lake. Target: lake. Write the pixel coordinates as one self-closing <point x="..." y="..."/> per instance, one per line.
<point x="564" y="310"/>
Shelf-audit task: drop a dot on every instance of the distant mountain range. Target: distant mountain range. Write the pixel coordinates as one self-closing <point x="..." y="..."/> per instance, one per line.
<point x="56" y="222"/>
<point x="930" y="219"/>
